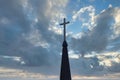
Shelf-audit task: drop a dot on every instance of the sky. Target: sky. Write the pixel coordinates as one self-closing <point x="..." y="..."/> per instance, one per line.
<point x="30" y="30"/>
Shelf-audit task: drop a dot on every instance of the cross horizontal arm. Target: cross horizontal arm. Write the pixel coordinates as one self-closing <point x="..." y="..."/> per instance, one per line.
<point x="64" y="23"/>
<point x="67" y="22"/>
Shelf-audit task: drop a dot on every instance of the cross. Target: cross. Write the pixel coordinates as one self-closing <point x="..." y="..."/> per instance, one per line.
<point x="64" y="24"/>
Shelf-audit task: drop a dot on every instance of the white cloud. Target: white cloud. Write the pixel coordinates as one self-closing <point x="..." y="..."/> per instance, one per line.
<point x="55" y="11"/>
<point x="110" y="6"/>
<point x="82" y="10"/>
<point x="86" y="15"/>
<point x="116" y="15"/>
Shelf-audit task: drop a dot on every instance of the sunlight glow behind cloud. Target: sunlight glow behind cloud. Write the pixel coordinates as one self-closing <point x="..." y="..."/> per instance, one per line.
<point x="29" y="29"/>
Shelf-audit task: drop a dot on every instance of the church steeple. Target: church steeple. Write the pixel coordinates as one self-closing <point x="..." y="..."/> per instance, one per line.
<point x="65" y="73"/>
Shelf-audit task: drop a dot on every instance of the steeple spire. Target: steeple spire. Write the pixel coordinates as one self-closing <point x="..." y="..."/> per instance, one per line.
<point x="65" y="73"/>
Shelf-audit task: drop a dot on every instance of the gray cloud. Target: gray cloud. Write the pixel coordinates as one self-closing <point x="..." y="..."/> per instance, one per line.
<point x="13" y="23"/>
<point x="98" y="38"/>
<point x="18" y="19"/>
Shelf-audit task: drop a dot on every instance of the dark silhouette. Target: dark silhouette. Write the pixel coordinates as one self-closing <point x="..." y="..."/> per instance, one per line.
<point x="65" y="73"/>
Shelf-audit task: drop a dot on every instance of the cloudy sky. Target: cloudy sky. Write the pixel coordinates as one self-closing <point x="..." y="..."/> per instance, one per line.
<point x="30" y="29"/>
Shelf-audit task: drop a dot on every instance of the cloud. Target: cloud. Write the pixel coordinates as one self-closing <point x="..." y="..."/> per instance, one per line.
<point x="115" y="38"/>
<point x="100" y="35"/>
<point x="13" y="23"/>
<point x="86" y="15"/>
<point x="117" y="21"/>
<point x="27" y="30"/>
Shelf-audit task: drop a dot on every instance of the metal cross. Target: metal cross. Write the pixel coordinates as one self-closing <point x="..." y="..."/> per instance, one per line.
<point x="64" y="24"/>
